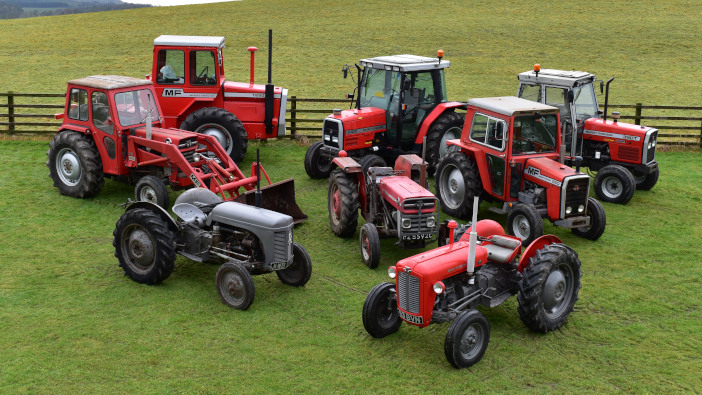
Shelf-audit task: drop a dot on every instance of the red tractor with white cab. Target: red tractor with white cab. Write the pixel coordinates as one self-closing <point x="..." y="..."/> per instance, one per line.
<point x="623" y="155"/>
<point x="112" y="127"/>
<point x="399" y="100"/>
<point x="188" y="76"/>
<point x="392" y="201"/>
<point x="509" y="152"/>
<point x="483" y="268"/>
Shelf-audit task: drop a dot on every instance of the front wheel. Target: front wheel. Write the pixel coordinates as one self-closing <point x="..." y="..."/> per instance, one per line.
<point x="235" y="286"/>
<point x="317" y="165"/>
<point x="152" y="189"/>
<point x="549" y="288"/>
<point x="299" y="272"/>
<point x="370" y="245"/>
<point x="646" y="182"/>
<point x="467" y="339"/>
<point x="598" y="221"/>
<point x="457" y="181"/>
<point x="380" y="316"/>
<point x="614" y="184"/>
<point x="525" y="222"/>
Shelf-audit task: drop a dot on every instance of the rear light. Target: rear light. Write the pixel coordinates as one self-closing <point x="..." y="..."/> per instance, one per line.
<point x="439" y="287"/>
<point x="391" y="272"/>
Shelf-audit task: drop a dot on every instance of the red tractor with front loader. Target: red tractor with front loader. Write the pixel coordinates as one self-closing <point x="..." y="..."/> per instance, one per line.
<point x="509" y="152"/>
<point x="400" y="100"/>
<point x="623" y="155"/>
<point x="483" y="268"/>
<point x="188" y="76"/>
<point x="392" y="200"/>
<point x="112" y="127"/>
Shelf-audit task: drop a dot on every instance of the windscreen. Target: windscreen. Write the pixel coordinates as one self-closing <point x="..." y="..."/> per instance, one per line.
<point x="134" y="106"/>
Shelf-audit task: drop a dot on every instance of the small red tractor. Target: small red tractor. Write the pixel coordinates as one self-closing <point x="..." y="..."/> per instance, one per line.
<point x="188" y="76"/>
<point x="392" y="201"/>
<point x="112" y="127"/>
<point x="399" y="100"/>
<point x="509" y="152"/>
<point x="623" y="155"/>
<point x="483" y="268"/>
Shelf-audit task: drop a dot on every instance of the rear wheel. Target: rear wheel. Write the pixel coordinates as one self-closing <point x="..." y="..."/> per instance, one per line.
<point x="152" y="189"/>
<point x="235" y="286"/>
<point x="380" y="316"/>
<point x="598" y="221"/>
<point x="549" y="288"/>
<point x="75" y="165"/>
<point x="614" y="184"/>
<point x="525" y="222"/>
<point x="467" y="339"/>
<point x="369" y="161"/>
<point x="646" y="182"/>
<point x="299" y="272"/>
<point x="145" y="246"/>
<point x="222" y="125"/>
<point x="342" y="202"/>
<point x="317" y="166"/>
<point x="447" y="127"/>
<point x="457" y="181"/>
<point x="370" y="245"/>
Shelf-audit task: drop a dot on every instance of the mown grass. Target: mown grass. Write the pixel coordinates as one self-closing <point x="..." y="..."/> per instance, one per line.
<point x="70" y="321"/>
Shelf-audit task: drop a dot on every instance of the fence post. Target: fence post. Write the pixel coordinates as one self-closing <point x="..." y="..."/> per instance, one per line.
<point x="637" y="120"/>
<point x="293" y="116"/>
<point x="701" y="136"/>
<point x="11" y="112"/>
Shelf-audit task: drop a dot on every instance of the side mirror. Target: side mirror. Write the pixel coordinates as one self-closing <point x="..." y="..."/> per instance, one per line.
<point x="406" y="85"/>
<point x="601" y="86"/>
<point x="345" y="70"/>
<point x="571" y="96"/>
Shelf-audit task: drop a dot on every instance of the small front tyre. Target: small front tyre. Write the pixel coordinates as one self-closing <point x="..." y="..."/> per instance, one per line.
<point x="614" y="184"/>
<point x="525" y="222"/>
<point x="235" y="286"/>
<point x="370" y="245"/>
<point x="299" y="271"/>
<point x="152" y="189"/>
<point x="380" y="316"/>
<point x="598" y="221"/>
<point x="317" y="165"/>
<point x="467" y="339"/>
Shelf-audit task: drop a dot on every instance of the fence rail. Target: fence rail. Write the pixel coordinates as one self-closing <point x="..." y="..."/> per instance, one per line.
<point x="27" y="114"/>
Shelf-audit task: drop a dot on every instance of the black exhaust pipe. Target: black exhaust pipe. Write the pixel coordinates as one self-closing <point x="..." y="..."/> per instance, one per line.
<point x="268" y="120"/>
<point x="604" y="117"/>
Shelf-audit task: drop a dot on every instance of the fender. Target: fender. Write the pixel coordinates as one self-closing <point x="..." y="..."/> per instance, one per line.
<point x="347" y="163"/>
<point x="156" y="209"/>
<point x="435" y="113"/>
<point x="535" y="245"/>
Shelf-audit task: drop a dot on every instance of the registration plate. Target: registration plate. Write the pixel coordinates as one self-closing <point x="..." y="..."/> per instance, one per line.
<point x="418" y="236"/>
<point x="412" y="319"/>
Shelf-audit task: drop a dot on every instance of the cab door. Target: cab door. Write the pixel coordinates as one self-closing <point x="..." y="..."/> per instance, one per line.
<point x="490" y="132"/>
<point x="103" y="129"/>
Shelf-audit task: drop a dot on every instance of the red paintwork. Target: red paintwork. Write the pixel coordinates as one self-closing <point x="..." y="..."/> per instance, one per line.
<point x="555" y="171"/>
<point x="485" y="228"/>
<point x="429" y="120"/>
<point x="626" y="149"/>
<point x="535" y="246"/>
<point x="354" y="120"/>
<point x="397" y="189"/>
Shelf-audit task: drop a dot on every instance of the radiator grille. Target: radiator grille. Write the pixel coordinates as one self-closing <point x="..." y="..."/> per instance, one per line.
<point x="331" y="134"/>
<point x="651" y="152"/>
<point x="281" y="246"/>
<point x="408" y="292"/>
<point x="576" y="194"/>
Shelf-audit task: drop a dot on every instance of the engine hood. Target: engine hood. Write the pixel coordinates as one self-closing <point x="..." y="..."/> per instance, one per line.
<point x="366" y="119"/>
<point x="233" y="90"/>
<point x="547" y="172"/>
<point x="160" y="134"/>
<point x="397" y="189"/>
<point x="598" y="129"/>
<point x="442" y="262"/>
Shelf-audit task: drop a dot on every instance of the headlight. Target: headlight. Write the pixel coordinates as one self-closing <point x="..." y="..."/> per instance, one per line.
<point x="391" y="272"/>
<point x="439" y="287"/>
<point x="581" y="208"/>
<point x="650" y="145"/>
<point x="569" y="210"/>
<point x="406" y="223"/>
<point x="335" y="139"/>
<point x="654" y="142"/>
<point x="431" y="222"/>
<point x="196" y="157"/>
<point x="327" y="137"/>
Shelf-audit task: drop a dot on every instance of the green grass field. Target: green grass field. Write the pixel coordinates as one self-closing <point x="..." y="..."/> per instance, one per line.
<point x="70" y="321"/>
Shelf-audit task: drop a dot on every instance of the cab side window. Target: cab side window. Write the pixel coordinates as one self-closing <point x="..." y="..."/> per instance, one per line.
<point x="101" y="112"/>
<point x="202" y="68"/>
<point x="78" y="104"/>
<point x="488" y="131"/>
<point x="171" y="67"/>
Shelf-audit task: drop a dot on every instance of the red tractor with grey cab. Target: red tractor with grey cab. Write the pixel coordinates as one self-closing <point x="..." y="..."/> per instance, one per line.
<point x="483" y="268"/>
<point x="509" y="152"/>
<point x="188" y="76"/>
<point x="399" y="100"/>
<point x="392" y="201"/>
<point x="112" y="127"/>
<point x="623" y="155"/>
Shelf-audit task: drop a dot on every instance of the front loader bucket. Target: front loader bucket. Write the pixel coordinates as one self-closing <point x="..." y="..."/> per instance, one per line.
<point x="279" y="196"/>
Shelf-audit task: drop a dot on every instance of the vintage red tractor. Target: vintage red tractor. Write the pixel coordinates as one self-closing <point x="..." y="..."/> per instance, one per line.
<point x="483" y="268"/>
<point x="188" y="76"/>
<point x="623" y="155"/>
<point x="393" y="202"/>
<point x="112" y="127"/>
<point x="509" y="152"/>
<point x="400" y="100"/>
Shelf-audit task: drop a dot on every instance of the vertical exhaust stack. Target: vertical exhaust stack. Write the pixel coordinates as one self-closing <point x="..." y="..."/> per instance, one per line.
<point x="268" y="120"/>
<point x="252" y="50"/>
<point x="473" y="241"/>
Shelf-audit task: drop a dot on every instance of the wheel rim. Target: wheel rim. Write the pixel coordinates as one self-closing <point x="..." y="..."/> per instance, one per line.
<point x="68" y="166"/>
<point x="138" y="248"/>
<point x="471" y="341"/>
<point x="558" y="291"/>
<point x="365" y="246"/>
<point x="451" y="134"/>
<point x="232" y="287"/>
<point x="148" y="194"/>
<point x="611" y="187"/>
<point x="218" y="132"/>
<point x="521" y="227"/>
<point x="453" y="188"/>
<point x="336" y="204"/>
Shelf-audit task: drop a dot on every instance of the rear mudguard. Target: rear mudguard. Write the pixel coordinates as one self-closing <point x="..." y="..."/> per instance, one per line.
<point x="156" y="209"/>
<point x="536" y="245"/>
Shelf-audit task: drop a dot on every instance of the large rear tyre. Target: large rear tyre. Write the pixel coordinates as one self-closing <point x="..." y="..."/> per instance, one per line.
<point x="342" y="202"/>
<point x="299" y="272"/>
<point x="380" y="316"/>
<point x="145" y="246"/>
<point x="370" y="245"/>
<point x="646" y="182"/>
<point x="317" y="166"/>
<point x="222" y="125"/>
<point x="457" y="181"/>
<point x="614" y="184"/>
<point x="549" y="288"/>
<point x="447" y="127"/>
<point x="525" y="222"/>
<point x="467" y="339"/>
<point x="152" y="189"/>
<point x="75" y="165"/>
<point x="598" y="221"/>
<point x="235" y="286"/>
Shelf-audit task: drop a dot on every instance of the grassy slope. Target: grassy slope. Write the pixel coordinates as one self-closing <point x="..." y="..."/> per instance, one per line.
<point x="71" y="321"/>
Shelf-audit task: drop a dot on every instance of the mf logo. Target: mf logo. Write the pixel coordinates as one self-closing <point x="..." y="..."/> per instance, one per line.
<point x="532" y="171"/>
<point x="172" y="92"/>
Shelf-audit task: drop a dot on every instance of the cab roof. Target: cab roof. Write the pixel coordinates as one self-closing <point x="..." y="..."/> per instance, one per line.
<point x="190" y="41"/>
<point x="405" y="63"/>
<point x="511" y="105"/>
<point x="557" y="77"/>
<point x="109" y="81"/>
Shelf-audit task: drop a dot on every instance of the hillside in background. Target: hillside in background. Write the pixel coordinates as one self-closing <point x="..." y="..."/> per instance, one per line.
<point x="13" y="9"/>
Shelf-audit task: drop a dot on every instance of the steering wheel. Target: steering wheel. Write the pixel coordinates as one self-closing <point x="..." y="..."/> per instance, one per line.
<point x="203" y="73"/>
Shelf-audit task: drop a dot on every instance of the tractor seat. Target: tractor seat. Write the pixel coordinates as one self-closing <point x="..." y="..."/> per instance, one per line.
<point x="502" y="249"/>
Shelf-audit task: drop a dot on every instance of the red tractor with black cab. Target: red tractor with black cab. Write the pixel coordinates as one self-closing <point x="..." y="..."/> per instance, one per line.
<point x="188" y="76"/>
<point x="483" y="268"/>
<point x="509" y="152"/>
<point x="399" y="100"/>
<point x="392" y="200"/>
<point x="623" y="155"/>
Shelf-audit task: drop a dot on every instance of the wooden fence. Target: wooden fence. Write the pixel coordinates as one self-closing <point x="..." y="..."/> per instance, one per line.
<point x="33" y="114"/>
